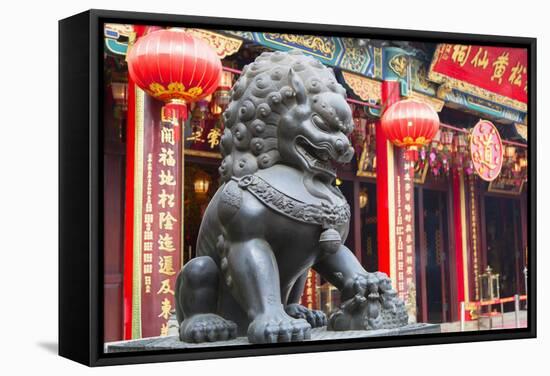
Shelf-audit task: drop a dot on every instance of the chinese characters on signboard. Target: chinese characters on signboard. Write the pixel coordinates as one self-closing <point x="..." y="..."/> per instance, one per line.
<point x="486" y="150"/>
<point x="404" y="226"/>
<point x="203" y="135"/>
<point x="493" y="73"/>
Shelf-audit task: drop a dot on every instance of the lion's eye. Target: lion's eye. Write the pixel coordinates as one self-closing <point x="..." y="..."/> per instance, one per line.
<point x="320" y="123"/>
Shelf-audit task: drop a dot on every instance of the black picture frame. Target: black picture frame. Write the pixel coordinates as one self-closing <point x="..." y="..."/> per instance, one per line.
<point x="81" y="181"/>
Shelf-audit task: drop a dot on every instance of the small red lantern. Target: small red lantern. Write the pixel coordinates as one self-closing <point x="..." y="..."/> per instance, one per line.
<point x="222" y="96"/>
<point x="174" y="67"/>
<point x="359" y="133"/>
<point x="410" y="124"/>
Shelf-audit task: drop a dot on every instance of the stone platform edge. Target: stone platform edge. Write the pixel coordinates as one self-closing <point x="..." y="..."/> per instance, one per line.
<point x="317" y="334"/>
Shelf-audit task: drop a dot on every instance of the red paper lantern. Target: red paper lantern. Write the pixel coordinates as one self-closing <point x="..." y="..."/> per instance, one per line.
<point x="359" y="133"/>
<point x="222" y="95"/>
<point x="410" y="124"/>
<point x="174" y="67"/>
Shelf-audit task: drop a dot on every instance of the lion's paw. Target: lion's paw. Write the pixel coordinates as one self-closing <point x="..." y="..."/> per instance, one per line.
<point x="278" y="327"/>
<point x="373" y="304"/>
<point x="315" y="318"/>
<point x="207" y="328"/>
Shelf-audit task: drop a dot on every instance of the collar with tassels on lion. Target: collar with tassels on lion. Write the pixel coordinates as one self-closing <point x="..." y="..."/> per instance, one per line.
<point x="325" y="215"/>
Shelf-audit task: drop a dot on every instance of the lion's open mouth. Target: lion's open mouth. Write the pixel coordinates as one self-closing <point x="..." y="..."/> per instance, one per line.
<point x="318" y="158"/>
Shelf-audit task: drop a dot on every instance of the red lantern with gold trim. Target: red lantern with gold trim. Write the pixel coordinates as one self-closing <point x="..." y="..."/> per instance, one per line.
<point x="410" y="124"/>
<point x="175" y="67"/>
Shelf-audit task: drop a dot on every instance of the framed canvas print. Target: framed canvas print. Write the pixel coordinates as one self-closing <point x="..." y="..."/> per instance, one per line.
<point x="236" y="187"/>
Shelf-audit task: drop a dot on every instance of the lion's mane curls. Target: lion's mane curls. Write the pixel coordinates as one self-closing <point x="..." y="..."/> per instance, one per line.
<point x="261" y="96"/>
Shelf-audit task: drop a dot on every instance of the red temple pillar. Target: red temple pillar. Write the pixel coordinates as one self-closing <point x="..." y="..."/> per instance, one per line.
<point x="395" y="209"/>
<point x="153" y="215"/>
<point x="129" y="213"/>
<point x="460" y="239"/>
<point x="385" y="186"/>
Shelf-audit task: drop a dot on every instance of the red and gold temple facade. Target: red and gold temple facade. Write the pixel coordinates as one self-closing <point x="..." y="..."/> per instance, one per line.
<point x="434" y="224"/>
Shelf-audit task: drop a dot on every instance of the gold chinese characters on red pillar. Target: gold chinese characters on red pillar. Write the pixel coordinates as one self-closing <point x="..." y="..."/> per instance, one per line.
<point x="161" y="240"/>
<point x="404" y="226"/>
<point x="309" y="297"/>
<point x="486" y="150"/>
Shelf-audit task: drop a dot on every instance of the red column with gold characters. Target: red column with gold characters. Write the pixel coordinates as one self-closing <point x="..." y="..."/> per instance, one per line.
<point x="155" y="235"/>
<point x="309" y="296"/>
<point x="133" y="199"/>
<point x="395" y="208"/>
<point x="408" y="124"/>
<point x="167" y="69"/>
<point x="390" y="93"/>
<point x="404" y="227"/>
<point x="160" y="219"/>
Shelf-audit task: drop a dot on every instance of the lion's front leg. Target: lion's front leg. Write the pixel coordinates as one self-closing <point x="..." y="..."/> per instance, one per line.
<point x="368" y="300"/>
<point x="253" y="277"/>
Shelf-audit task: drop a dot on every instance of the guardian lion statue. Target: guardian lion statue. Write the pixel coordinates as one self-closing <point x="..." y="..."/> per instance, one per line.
<point x="278" y="213"/>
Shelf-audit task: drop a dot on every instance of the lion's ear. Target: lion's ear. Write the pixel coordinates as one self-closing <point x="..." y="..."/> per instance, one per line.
<point x="298" y="86"/>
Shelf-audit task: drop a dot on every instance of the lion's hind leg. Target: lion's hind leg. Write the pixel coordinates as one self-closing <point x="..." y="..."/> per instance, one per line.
<point x="196" y="303"/>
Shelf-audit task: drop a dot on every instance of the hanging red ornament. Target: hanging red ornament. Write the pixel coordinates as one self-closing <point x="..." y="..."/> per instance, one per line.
<point x="175" y="67"/>
<point x="222" y="95"/>
<point x="410" y="124"/>
<point x="359" y="134"/>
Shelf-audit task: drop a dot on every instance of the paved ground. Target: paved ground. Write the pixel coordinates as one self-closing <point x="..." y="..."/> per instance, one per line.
<point x="507" y="321"/>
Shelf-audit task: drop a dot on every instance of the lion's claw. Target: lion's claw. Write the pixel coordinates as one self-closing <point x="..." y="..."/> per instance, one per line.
<point x="370" y="302"/>
<point x="315" y="318"/>
<point x="207" y="328"/>
<point x="278" y="327"/>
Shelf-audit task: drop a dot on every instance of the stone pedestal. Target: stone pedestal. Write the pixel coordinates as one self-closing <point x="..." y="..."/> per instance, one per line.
<point x="173" y="342"/>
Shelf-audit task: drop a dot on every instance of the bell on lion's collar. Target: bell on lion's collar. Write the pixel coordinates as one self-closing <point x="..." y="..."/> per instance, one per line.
<point x="330" y="241"/>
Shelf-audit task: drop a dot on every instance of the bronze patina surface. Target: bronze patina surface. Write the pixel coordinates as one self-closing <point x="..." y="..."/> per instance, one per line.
<point x="278" y="213"/>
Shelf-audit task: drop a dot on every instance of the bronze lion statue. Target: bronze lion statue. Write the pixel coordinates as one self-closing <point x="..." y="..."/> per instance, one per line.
<point x="278" y="213"/>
